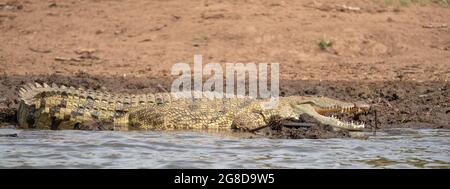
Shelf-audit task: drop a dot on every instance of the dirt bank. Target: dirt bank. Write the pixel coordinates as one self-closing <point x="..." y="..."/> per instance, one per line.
<point x="360" y="40"/>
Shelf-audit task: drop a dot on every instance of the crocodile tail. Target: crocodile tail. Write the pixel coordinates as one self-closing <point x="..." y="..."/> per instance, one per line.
<point x="29" y="92"/>
<point x="41" y="102"/>
<point x="26" y="110"/>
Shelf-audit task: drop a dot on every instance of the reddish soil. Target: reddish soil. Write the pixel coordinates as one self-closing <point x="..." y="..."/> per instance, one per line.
<point x="394" y="56"/>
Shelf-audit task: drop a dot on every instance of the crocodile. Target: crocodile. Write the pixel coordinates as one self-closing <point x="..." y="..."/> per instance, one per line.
<point x="44" y="106"/>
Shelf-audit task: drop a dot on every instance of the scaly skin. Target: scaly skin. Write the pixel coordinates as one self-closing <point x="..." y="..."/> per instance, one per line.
<point x="54" y="107"/>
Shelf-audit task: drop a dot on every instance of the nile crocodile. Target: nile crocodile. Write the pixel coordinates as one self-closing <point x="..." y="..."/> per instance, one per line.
<point x="60" y="107"/>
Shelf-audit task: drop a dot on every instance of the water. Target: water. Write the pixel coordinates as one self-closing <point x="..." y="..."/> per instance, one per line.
<point x="88" y="149"/>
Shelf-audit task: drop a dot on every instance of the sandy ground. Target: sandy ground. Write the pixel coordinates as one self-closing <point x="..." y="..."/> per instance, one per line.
<point x="393" y="55"/>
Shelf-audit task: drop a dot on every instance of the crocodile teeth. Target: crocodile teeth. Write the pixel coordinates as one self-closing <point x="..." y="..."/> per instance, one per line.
<point x="38" y="85"/>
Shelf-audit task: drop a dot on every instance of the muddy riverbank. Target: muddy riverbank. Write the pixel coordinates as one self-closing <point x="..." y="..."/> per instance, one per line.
<point x="405" y="104"/>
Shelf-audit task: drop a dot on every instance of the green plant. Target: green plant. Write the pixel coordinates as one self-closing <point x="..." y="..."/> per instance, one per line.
<point x="413" y="2"/>
<point x="324" y="44"/>
<point x="444" y="2"/>
<point x="404" y="2"/>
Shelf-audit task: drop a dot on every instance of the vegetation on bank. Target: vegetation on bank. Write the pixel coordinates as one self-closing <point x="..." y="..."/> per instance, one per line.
<point x="414" y="2"/>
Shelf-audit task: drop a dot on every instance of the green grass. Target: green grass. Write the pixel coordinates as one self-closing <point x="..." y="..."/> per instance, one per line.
<point x="414" y="2"/>
<point x="444" y="2"/>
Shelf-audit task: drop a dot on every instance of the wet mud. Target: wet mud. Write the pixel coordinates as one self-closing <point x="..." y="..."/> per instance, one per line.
<point x="399" y="104"/>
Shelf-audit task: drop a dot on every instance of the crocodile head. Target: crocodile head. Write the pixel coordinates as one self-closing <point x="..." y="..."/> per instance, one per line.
<point x="319" y="107"/>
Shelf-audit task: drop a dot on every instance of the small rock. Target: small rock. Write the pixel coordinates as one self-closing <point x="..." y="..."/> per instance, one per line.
<point x="358" y="135"/>
<point x="435" y="26"/>
<point x="176" y="17"/>
<point x="52" y="5"/>
<point x="213" y="15"/>
<point x="98" y="32"/>
<point x="345" y="8"/>
<point x="39" y="50"/>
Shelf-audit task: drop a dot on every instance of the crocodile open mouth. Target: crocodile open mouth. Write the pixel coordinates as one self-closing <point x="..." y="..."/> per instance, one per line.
<point x="355" y="108"/>
<point x="347" y="124"/>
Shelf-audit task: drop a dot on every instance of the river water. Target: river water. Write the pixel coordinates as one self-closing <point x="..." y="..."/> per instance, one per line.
<point x="102" y="149"/>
